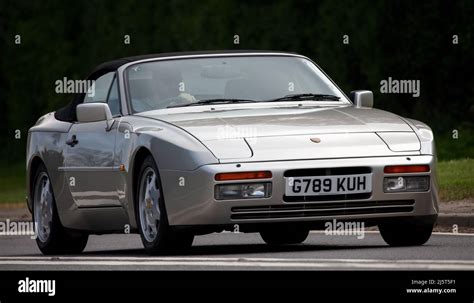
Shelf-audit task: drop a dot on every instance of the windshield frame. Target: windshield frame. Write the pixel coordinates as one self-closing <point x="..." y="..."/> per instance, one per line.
<point x="345" y="100"/>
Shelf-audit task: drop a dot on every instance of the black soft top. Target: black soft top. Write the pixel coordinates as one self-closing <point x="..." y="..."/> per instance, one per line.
<point x="68" y="113"/>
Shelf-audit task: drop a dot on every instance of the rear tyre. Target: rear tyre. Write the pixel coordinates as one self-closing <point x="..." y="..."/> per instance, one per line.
<point x="51" y="237"/>
<point x="406" y="233"/>
<point x="156" y="234"/>
<point x="284" y="235"/>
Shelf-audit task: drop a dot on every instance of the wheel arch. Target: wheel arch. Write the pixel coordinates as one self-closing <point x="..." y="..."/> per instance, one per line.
<point x="140" y="156"/>
<point x="33" y="166"/>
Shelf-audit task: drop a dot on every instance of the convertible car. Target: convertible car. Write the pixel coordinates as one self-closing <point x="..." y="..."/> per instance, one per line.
<point x="175" y="145"/>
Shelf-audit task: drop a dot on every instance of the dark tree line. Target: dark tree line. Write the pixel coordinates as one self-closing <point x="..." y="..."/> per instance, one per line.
<point x="398" y="39"/>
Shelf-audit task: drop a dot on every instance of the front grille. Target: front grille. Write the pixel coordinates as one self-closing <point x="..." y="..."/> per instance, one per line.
<point x="322" y="209"/>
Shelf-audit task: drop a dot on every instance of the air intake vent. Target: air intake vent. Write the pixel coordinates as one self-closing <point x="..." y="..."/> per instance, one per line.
<point x="322" y="209"/>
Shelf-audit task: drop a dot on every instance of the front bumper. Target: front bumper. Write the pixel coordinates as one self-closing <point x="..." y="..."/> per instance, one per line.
<point x="189" y="195"/>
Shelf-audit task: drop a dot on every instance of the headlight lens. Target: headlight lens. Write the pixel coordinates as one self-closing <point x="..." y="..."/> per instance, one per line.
<point x="242" y="191"/>
<point x="406" y="184"/>
<point x="394" y="184"/>
<point x="418" y="183"/>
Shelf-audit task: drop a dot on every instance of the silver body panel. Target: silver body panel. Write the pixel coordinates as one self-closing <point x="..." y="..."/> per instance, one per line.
<point x="186" y="145"/>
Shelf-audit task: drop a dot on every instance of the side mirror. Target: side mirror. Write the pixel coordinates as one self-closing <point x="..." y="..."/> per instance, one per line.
<point x="92" y="112"/>
<point x="362" y="98"/>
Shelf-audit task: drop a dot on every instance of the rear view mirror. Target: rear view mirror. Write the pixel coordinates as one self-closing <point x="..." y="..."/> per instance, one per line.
<point x="362" y="98"/>
<point x="92" y="112"/>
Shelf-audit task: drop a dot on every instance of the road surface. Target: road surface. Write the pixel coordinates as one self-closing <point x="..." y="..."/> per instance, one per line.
<point x="237" y="251"/>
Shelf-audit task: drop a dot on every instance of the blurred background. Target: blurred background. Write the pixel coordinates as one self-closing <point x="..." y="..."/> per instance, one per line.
<point x="410" y="40"/>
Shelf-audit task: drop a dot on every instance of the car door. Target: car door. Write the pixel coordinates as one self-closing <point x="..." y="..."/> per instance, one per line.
<point x="91" y="171"/>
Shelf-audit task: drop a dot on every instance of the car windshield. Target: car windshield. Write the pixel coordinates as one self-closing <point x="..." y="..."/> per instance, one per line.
<point x="220" y="80"/>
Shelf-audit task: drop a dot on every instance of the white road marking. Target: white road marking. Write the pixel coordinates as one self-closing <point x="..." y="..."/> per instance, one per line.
<point x="260" y="263"/>
<point x="453" y="234"/>
<point x="377" y="232"/>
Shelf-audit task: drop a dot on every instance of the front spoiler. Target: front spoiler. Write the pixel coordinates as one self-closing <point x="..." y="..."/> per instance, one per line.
<point x="311" y="225"/>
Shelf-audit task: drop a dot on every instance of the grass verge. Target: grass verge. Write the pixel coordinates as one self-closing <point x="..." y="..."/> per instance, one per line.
<point x="456" y="179"/>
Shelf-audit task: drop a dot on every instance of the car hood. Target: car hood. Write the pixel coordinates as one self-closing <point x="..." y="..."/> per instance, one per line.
<point x="263" y="122"/>
<point x="263" y="133"/>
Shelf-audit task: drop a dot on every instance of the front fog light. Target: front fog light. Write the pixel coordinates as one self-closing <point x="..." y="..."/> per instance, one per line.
<point x="242" y="191"/>
<point x="394" y="184"/>
<point x="406" y="184"/>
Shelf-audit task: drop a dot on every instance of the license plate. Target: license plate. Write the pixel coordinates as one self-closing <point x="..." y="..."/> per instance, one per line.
<point x="328" y="185"/>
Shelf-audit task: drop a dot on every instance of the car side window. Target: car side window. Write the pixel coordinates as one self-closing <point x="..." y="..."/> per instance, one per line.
<point x="113" y="100"/>
<point x="98" y="92"/>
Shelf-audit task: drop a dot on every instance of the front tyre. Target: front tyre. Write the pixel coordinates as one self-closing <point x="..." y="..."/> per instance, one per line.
<point x="284" y="235"/>
<point x="156" y="234"/>
<point x="406" y="233"/>
<point x="51" y="237"/>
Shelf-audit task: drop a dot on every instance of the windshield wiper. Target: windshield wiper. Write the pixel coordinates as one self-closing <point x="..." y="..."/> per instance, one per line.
<point x="294" y="97"/>
<point x="214" y="101"/>
<point x="304" y="97"/>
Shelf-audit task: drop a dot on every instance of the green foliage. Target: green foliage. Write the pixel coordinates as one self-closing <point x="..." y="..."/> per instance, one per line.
<point x="448" y="147"/>
<point x="13" y="183"/>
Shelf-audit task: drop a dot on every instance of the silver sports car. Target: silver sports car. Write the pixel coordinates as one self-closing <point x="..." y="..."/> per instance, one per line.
<point x="171" y="146"/>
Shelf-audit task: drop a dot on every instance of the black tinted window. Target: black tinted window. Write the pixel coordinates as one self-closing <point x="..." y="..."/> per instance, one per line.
<point x="98" y="92"/>
<point x="114" y="100"/>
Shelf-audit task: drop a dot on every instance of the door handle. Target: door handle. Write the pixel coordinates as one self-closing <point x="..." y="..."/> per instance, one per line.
<point x="73" y="141"/>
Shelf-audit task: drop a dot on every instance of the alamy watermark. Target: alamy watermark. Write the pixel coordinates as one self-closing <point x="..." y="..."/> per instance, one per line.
<point x="231" y="132"/>
<point x="346" y="228"/>
<point x="69" y="86"/>
<point x="18" y="228"/>
<point x="394" y="86"/>
<point x="28" y="285"/>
